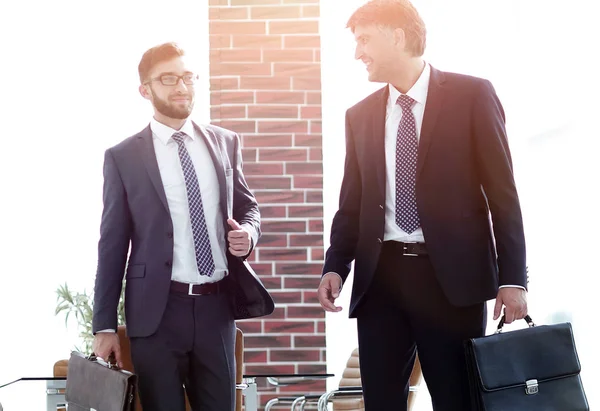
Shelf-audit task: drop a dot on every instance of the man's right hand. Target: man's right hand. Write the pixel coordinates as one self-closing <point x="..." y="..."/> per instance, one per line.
<point x="329" y="290"/>
<point x="106" y="343"/>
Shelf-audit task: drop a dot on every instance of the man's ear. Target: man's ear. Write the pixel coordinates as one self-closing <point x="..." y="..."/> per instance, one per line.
<point x="400" y="37"/>
<point x="144" y="92"/>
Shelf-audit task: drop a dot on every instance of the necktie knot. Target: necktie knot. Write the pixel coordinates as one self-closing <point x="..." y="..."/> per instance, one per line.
<point x="179" y="137"/>
<point x="405" y="102"/>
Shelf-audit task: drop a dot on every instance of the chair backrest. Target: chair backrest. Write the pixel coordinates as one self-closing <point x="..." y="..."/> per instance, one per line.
<point x="125" y="348"/>
<point x="351" y="378"/>
<point x="351" y="374"/>
<point x="239" y="366"/>
<point x="128" y="363"/>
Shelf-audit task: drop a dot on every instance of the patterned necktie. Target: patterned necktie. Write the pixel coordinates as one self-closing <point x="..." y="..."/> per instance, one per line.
<point x="407" y="145"/>
<point x="204" y="258"/>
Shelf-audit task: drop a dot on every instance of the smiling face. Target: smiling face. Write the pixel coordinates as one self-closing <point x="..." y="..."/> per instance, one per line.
<point x="390" y="37"/>
<point x="170" y="101"/>
<point x="380" y="49"/>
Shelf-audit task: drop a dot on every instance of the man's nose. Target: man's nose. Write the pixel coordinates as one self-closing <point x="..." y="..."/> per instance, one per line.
<point x="181" y="85"/>
<point x="358" y="52"/>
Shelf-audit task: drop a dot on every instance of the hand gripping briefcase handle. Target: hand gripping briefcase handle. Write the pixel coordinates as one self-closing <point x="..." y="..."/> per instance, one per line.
<point x="111" y="363"/>
<point x="93" y="383"/>
<point x="503" y="319"/>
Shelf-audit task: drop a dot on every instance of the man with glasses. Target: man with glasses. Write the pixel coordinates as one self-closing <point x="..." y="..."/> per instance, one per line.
<point x="176" y="194"/>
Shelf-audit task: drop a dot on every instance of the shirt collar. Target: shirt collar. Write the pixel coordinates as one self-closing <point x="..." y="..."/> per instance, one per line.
<point x="164" y="132"/>
<point x="418" y="91"/>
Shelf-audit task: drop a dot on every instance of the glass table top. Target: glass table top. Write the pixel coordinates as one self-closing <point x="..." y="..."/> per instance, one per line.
<point x="32" y="394"/>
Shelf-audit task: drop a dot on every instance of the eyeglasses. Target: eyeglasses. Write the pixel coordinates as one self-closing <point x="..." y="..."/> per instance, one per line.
<point x="173" y="79"/>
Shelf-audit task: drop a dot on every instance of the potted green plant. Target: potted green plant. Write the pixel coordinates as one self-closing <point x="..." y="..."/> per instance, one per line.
<point x="81" y="306"/>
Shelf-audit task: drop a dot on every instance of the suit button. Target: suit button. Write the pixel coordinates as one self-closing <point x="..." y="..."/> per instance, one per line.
<point x="170" y="235"/>
<point x="169" y="264"/>
<point x="379" y="241"/>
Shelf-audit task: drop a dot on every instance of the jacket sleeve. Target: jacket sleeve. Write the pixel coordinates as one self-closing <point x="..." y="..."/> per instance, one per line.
<point x="496" y="175"/>
<point x="345" y="225"/>
<point x="245" y="207"/>
<point x="115" y="234"/>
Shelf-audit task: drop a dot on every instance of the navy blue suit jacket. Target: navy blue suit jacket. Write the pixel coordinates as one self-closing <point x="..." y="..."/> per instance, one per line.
<point x="136" y="213"/>
<point x="464" y="175"/>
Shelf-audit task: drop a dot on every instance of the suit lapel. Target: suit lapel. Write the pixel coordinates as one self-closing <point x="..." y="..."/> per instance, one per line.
<point x="378" y="138"/>
<point x="149" y="157"/>
<point x="435" y="96"/>
<point x="212" y="144"/>
<point x="216" y="153"/>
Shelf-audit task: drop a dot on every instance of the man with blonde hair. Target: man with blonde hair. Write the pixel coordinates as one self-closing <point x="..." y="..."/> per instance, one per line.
<point x="427" y="163"/>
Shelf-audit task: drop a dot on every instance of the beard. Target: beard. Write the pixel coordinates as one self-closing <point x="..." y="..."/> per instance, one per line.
<point x="171" y="110"/>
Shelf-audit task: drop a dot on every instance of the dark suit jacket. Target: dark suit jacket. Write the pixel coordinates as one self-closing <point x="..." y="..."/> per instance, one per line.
<point x="464" y="174"/>
<point x="136" y="212"/>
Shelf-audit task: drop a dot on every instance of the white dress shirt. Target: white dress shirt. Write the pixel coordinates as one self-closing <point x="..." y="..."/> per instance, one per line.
<point x="184" y="268"/>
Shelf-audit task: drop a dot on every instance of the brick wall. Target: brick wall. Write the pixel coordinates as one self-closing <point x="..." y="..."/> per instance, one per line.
<point x="265" y="78"/>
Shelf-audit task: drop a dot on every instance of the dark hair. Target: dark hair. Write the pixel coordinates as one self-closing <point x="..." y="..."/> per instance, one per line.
<point x="155" y="55"/>
<point x="394" y="14"/>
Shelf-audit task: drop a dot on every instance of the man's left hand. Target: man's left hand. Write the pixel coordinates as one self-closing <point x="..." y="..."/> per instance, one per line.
<point x="514" y="300"/>
<point x="239" y="239"/>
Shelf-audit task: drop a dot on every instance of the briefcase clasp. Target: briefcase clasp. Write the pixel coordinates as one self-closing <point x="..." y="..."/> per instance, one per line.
<point x="532" y="387"/>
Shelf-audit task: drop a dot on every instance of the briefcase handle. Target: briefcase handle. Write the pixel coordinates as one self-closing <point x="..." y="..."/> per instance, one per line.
<point x="111" y="363"/>
<point x="501" y="323"/>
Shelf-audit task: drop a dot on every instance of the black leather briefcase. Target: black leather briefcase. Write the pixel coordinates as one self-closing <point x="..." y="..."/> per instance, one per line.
<point x="93" y="384"/>
<point x="531" y="369"/>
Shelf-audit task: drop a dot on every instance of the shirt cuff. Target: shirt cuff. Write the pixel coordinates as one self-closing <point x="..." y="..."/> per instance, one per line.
<point x="513" y="286"/>
<point x="108" y="330"/>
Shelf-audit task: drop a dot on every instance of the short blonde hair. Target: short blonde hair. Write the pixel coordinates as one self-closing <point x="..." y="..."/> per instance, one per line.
<point x="395" y="14"/>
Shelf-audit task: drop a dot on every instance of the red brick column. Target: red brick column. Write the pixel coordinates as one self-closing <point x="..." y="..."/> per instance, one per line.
<point x="265" y="76"/>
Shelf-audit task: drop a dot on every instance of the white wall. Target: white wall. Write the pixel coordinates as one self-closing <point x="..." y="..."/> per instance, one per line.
<point x="539" y="56"/>
<point x="69" y="91"/>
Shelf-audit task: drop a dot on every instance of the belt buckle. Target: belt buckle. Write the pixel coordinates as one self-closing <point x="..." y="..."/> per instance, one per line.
<point x="405" y="250"/>
<point x="190" y="290"/>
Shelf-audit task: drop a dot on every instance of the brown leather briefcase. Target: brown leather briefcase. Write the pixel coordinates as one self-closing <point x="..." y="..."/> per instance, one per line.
<point x="93" y="384"/>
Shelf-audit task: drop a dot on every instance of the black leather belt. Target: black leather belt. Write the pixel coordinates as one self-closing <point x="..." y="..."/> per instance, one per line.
<point x="197" y="289"/>
<point x="408" y="249"/>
